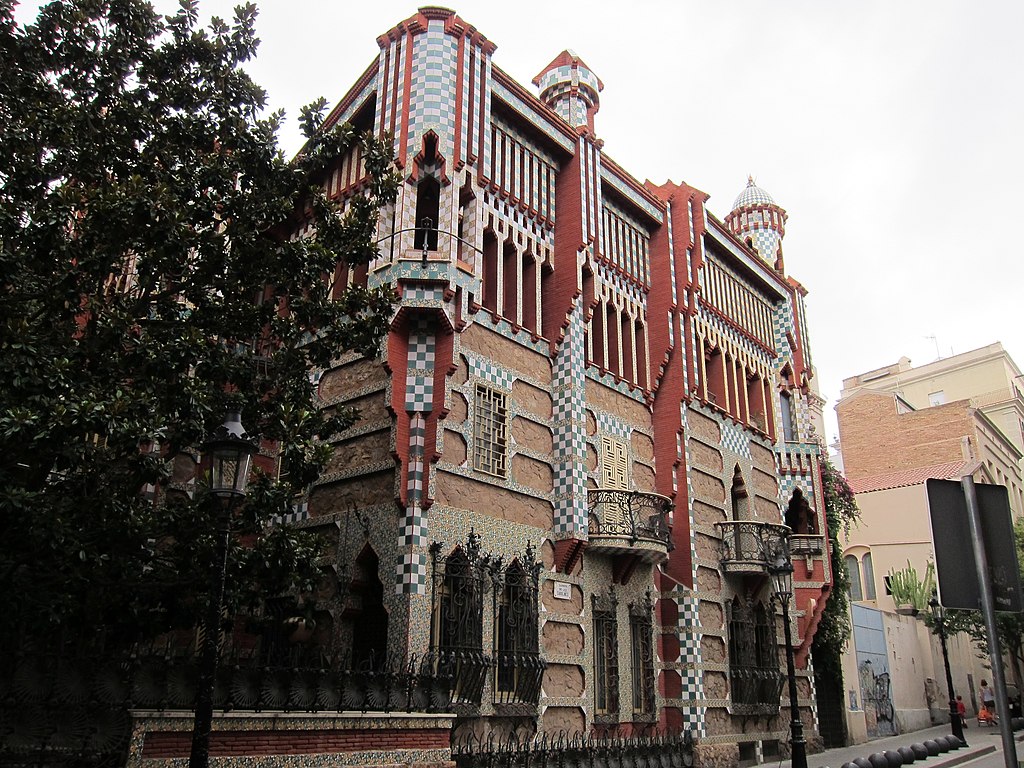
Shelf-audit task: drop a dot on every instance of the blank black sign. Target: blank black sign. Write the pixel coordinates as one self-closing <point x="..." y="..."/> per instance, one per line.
<point x="954" y="552"/>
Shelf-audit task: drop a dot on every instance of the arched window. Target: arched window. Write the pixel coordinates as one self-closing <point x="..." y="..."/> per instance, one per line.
<point x="869" y="576"/>
<point x="853" y="571"/>
<point x="370" y="629"/>
<point x="518" y="667"/>
<point x="428" y="203"/>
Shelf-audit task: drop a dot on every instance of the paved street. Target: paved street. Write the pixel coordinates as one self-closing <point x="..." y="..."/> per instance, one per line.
<point x="984" y="749"/>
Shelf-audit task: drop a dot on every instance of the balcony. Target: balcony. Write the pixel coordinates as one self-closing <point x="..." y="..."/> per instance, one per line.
<point x="806" y="545"/>
<point x="629" y="522"/>
<point x="748" y="546"/>
<point x="755" y="690"/>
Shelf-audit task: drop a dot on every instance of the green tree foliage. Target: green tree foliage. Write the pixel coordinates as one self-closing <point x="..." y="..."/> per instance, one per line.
<point x="1009" y="626"/>
<point x="147" y="257"/>
<point x="834" y="628"/>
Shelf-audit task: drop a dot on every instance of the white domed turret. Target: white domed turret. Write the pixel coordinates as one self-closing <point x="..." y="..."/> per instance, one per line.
<point x="760" y="222"/>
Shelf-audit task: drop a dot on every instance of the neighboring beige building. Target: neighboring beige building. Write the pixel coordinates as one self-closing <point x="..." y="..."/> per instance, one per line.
<point x="900" y="426"/>
<point x="987" y="376"/>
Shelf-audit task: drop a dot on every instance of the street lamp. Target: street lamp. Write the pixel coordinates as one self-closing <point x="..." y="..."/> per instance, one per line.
<point x="939" y="613"/>
<point x="229" y="452"/>
<point x="781" y="571"/>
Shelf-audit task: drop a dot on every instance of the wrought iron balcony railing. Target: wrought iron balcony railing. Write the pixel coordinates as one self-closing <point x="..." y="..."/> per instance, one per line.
<point x="755" y="690"/>
<point x="517" y="677"/>
<point x="748" y="546"/>
<point x="629" y="522"/>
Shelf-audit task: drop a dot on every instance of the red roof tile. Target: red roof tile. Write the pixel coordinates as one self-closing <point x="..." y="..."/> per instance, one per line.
<point x="905" y="477"/>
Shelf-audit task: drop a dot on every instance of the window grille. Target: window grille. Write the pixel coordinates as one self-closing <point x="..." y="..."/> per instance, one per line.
<point x="518" y="665"/>
<point x="459" y="582"/>
<point x="641" y="632"/>
<point x="754" y="675"/>
<point x="490" y="431"/>
<point x="606" y="656"/>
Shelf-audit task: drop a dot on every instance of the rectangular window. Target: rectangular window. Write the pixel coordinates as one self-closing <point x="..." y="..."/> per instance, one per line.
<point x="606" y="658"/>
<point x="490" y="431"/>
<point x="614" y="464"/>
<point x="786" y="406"/>
<point x="518" y="667"/>
<point x="936" y="398"/>
<point x="642" y="646"/>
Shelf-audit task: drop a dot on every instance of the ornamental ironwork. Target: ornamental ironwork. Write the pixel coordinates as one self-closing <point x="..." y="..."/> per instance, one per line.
<point x="755" y="677"/>
<point x="75" y="709"/>
<point x="606" y="656"/>
<point x="652" y="749"/>
<point x="518" y="666"/>
<point x="633" y="515"/>
<point x="641" y="631"/>
<point x="460" y="582"/>
<point x="749" y="546"/>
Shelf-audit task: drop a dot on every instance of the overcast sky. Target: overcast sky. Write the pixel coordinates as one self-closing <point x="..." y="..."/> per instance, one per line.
<point x="890" y="131"/>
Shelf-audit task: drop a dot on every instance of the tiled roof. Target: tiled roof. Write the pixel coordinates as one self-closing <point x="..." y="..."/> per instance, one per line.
<point x="905" y="477"/>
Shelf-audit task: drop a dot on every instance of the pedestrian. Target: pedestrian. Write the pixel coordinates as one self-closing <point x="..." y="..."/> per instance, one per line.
<point x="988" y="703"/>
<point x="961" y="710"/>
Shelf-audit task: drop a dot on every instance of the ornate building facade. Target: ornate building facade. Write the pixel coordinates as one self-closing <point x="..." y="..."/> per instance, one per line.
<point x="592" y="419"/>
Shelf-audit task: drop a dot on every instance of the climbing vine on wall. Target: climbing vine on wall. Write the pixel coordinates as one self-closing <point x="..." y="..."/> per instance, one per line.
<point x="834" y="629"/>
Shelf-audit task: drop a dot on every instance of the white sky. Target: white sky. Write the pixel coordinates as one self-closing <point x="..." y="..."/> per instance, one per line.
<point x="889" y="130"/>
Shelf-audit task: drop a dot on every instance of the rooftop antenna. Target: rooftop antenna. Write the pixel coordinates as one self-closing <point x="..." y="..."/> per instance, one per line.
<point x="935" y="340"/>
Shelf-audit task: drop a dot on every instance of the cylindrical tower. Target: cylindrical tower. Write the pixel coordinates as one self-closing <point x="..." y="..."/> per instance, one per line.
<point x="570" y="88"/>
<point x="758" y="221"/>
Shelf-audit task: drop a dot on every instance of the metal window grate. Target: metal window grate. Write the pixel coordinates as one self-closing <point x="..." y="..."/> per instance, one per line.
<point x="490" y="431"/>
<point x="641" y="631"/>
<point x="606" y="655"/>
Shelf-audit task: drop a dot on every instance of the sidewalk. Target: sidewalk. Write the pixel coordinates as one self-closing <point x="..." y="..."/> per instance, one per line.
<point x="981" y="741"/>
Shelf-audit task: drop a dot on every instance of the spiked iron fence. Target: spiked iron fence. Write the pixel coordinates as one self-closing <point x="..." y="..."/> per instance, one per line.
<point x="579" y="750"/>
<point x="75" y="709"/>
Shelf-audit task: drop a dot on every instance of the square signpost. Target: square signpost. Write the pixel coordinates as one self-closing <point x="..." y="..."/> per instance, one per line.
<point x="976" y="563"/>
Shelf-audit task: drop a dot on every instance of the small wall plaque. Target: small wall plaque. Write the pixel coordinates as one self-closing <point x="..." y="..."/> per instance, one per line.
<point x="563" y="591"/>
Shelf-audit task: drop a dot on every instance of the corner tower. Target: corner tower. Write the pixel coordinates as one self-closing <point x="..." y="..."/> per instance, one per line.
<point x="571" y="89"/>
<point x="758" y="221"/>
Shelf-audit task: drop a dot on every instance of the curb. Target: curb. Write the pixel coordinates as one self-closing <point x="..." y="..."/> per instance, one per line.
<point x="966" y="756"/>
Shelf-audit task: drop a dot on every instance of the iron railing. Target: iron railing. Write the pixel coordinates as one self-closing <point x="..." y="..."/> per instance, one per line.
<point x="581" y="750"/>
<point x="518" y="676"/>
<point x="749" y="546"/>
<point x="755" y="690"/>
<point x="74" y="709"/>
<point x="635" y="516"/>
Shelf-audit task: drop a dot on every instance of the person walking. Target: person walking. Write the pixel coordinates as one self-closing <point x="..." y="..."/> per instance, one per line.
<point x="961" y="710"/>
<point x="988" y="704"/>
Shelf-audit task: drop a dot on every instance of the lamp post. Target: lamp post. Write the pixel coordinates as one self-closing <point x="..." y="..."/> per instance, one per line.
<point x="954" y="715"/>
<point x="781" y="571"/>
<point x="229" y="452"/>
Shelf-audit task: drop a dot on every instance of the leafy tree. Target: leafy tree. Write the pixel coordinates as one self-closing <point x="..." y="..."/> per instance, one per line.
<point x="834" y="628"/>
<point x="150" y="275"/>
<point x="1009" y="626"/>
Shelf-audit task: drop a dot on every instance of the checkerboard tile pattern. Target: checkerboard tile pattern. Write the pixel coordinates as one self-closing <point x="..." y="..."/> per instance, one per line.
<point x="689" y="618"/>
<point x="419" y="396"/>
<point x="433" y="88"/>
<point x="613" y="426"/>
<point x="489" y="372"/>
<point x="766" y="243"/>
<point x="735" y="439"/>
<point x="569" y="421"/>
